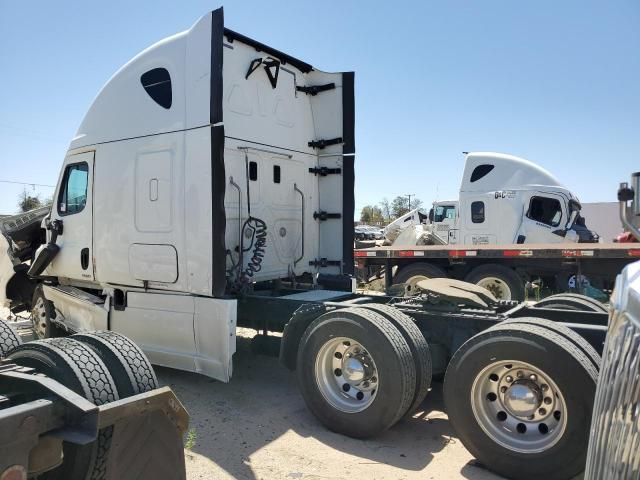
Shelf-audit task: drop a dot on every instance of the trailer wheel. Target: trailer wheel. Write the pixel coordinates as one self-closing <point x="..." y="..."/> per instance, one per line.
<point x="572" y="301"/>
<point x="130" y="368"/>
<point x="356" y="372"/>
<point x="413" y="273"/>
<point x="566" y="332"/>
<point x="9" y="338"/>
<point x="520" y="397"/>
<point x="42" y="311"/>
<point x="503" y="282"/>
<point x="79" y="368"/>
<point x="417" y="344"/>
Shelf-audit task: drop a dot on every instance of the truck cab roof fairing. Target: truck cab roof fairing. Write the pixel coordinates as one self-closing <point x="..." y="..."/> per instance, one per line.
<point x="508" y="170"/>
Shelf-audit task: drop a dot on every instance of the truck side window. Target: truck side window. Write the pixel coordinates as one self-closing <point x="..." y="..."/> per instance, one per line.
<point x="157" y="83"/>
<point x="73" y="196"/>
<point x="480" y="171"/>
<point x="545" y="210"/>
<point x="477" y="212"/>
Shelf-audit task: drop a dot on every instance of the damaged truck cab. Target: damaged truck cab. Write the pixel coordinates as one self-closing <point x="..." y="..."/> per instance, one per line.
<point x="207" y="163"/>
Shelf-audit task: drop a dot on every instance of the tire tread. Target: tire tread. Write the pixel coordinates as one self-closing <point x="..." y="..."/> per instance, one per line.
<point x="417" y="344"/>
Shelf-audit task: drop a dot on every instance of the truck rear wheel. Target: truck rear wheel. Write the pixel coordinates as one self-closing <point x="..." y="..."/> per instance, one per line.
<point x="131" y="370"/>
<point x="566" y="332"/>
<point x="503" y="282"/>
<point x="413" y="273"/>
<point x="520" y="397"/>
<point x="417" y="344"/>
<point x="9" y="338"/>
<point x="356" y="372"/>
<point x="572" y="301"/>
<point x="80" y="369"/>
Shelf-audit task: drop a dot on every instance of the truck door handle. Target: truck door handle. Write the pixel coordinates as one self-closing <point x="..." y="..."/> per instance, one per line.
<point x="84" y="258"/>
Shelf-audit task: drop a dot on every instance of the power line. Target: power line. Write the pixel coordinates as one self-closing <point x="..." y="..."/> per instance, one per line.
<point x="27" y="183"/>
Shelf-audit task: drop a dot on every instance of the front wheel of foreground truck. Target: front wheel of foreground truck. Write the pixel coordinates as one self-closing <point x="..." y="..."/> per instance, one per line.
<point x="42" y="313"/>
<point x="356" y="372"/>
<point x="520" y="398"/>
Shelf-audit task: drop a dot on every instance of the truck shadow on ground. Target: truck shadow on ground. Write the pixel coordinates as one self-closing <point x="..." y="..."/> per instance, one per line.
<point x="233" y="423"/>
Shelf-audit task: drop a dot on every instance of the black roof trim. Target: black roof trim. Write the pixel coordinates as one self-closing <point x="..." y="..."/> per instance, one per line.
<point x="304" y="67"/>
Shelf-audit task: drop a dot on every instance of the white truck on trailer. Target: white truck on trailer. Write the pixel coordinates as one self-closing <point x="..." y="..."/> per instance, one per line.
<point x="503" y="199"/>
<point x="210" y="186"/>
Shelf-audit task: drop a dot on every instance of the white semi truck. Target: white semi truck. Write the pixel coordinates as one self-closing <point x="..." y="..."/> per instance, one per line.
<point x="513" y="225"/>
<point x="503" y="200"/>
<point x="210" y="186"/>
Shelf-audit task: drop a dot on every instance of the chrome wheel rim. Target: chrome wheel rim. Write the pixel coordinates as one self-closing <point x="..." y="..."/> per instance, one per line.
<point x="39" y="318"/>
<point x="346" y="375"/>
<point x="497" y="286"/>
<point x="519" y="406"/>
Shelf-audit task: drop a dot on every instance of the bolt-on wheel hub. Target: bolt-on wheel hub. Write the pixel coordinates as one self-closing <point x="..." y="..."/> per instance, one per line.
<point x="39" y="318"/>
<point x="497" y="287"/>
<point x="518" y="406"/>
<point x="523" y="398"/>
<point x="346" y="375"/>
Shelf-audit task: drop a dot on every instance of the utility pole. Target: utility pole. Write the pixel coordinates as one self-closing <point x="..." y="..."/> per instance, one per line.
<point x="410" y="195"/>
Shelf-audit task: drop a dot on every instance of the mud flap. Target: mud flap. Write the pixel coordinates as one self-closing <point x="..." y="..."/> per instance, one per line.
<point x="146" y="446"/>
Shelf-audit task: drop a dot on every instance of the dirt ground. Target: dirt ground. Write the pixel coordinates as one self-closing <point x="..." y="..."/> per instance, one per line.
<point x="257" y="427"/>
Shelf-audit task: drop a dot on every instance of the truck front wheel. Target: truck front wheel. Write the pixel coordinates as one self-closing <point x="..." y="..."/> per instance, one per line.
<point x="356" y="372"/>
<point x="503" y="282"/>
<point x="42" y="313"/>
<point x="520" y="397"/>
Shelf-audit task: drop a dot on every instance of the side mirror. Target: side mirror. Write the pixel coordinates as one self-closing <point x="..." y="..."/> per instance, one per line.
<point x="431" y="215"/>
<point x="629" y="215"/>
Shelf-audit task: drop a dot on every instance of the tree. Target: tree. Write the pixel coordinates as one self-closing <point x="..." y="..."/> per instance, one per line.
<point x="385" y="206"/>
<point x="28" y="202"/>
<point x="400" y="205"/>
<point x="370" y="214"/>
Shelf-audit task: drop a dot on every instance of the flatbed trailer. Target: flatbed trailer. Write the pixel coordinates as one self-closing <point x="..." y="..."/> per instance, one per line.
<point x="504" y="269"/>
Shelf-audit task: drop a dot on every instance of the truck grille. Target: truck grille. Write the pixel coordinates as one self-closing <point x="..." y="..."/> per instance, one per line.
<point x="614" y="446"/>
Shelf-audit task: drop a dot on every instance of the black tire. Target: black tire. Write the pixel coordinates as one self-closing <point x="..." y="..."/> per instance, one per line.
<point x="42" y="316"/>
<point x="566" y="332"/>
<point x="505" y="274"/>
<point x="391" y="356"/>
<point x="572" y="301"/>
<point x="408" y="273"/>
<point x="9" y="338"/>
<point x="80" y="369"/>
<point x="129" y="366"/>
<point x="549" y="352"/>
<point x="417" y="344"/>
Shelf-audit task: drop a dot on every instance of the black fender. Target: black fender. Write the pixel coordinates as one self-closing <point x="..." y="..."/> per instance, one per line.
<point x="294" y="329"/>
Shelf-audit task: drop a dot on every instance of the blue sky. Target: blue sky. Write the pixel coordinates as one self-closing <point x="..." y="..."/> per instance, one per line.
<point x="555" y="82"/>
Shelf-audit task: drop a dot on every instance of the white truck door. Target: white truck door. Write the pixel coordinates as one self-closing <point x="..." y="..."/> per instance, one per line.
<point x="73" y="206"/>
<point x="544" y="214"/>
<point x="445" y="221"/>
